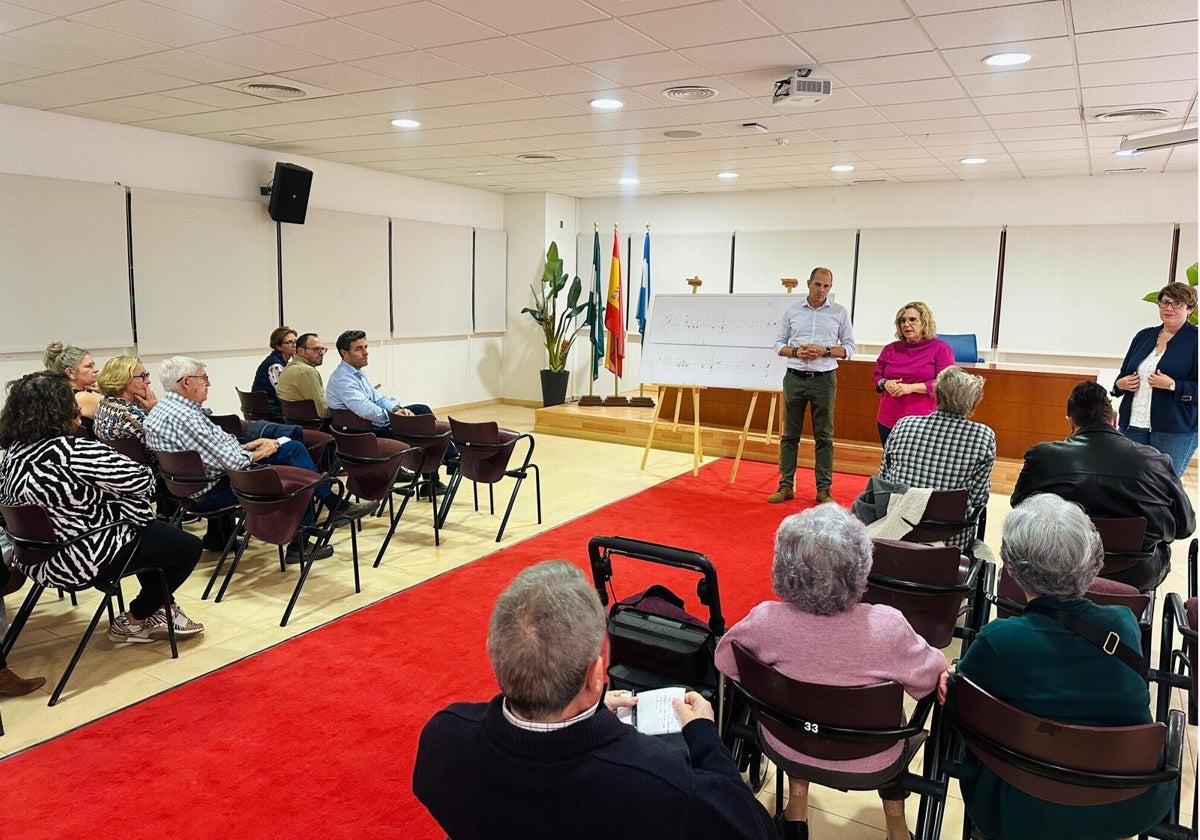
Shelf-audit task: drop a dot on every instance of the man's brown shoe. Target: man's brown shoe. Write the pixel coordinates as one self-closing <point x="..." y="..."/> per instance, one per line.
<point x="13" y="686"/>
<point x="783" y="494"/>
<point x="823" y="497"/>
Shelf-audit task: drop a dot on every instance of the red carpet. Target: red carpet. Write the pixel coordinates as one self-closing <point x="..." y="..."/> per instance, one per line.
<point x="316" y="738"/>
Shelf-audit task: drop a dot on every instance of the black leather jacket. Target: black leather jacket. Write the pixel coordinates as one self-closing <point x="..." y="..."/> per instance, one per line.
<point x="1111" y="476"/>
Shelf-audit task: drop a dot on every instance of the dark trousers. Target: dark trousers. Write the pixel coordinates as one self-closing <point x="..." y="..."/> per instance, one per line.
<point x="418" y="408"/>
<point x="170" y="549"/>
<point x="818" y="394"/>
<point x="884" y="431"/>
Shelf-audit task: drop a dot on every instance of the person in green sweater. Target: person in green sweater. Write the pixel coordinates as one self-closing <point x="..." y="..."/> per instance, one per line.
<point x="1052" y="550"/>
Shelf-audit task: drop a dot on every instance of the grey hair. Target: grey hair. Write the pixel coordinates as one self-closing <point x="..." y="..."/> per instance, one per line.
<point x="957" y="391"/>
<point x="547" y="628"/>
<point x="822" y="559"/>
<point x="58" y="356"/>
<point x="1051" y="548"/>
<point x="176" y="368"/>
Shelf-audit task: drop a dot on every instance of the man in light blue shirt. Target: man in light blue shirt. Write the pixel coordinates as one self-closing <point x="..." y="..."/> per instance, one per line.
<point x="350" y="389"/>
<point x="813" y="334"/>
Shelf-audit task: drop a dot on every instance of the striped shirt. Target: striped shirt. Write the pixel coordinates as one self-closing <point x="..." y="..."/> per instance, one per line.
<point x="942" y="452"/>
<point x="828" y="326"/>
<point x="83" y="484"/>
<point x="177" y="424"/>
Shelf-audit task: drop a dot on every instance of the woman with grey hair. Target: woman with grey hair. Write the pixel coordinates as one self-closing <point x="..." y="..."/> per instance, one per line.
<point x="1031" y="661"/>
<point x="79" y="367"/>
<point x="819" y="632"/>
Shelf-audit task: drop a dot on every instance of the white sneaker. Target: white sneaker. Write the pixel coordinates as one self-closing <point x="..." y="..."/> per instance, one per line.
<point x="184" y="626"/>
<point x="121" y="629"/>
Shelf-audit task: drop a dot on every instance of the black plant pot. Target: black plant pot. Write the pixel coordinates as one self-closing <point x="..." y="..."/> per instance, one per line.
<point x="554" y="387"/>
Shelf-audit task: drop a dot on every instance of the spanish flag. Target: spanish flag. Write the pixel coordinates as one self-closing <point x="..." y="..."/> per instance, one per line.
<point x="614" y="320"/>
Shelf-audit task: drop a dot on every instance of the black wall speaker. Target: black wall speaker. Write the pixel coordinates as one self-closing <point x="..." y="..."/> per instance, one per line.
<point x="289" y="193"/>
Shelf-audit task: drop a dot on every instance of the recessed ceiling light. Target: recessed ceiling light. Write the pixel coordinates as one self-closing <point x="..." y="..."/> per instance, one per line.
<point x="1007" y="59"/>
<point x="607" y="104"/>
<point x="841" y="167"/>
<point x="1128" y="152"/>
<point x="973" y="161"/>
<point x="682" y="134"/>
<point x="403" y="122"/>
<point x="629" y="182"/>
<point x="481" y="172"/>
<point x="729" y="176"/>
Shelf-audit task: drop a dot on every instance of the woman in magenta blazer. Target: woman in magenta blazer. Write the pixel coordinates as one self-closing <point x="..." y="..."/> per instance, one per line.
<point x="905" y="370"/>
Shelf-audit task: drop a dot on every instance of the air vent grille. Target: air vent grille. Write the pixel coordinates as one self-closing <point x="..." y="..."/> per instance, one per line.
<point x="689" y="93"/>
<point x="273" y="91"/>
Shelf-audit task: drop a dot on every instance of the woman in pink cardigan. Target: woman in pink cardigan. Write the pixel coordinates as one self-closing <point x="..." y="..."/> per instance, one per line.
<point x="818" y="632"/>
<point x="905" y="369"/>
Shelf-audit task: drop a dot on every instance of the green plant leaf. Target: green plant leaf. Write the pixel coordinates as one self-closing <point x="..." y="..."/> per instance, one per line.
<point x="1151" y="298"/>
<point x="1191" y="276"/>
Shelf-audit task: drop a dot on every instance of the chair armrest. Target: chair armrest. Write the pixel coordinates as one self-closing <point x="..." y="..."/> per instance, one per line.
<point x="1173" y="747"/>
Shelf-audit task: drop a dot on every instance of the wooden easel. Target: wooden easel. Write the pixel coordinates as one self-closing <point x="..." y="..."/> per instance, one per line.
<point x="775" y="395"/>
<point x="697" y="445"/>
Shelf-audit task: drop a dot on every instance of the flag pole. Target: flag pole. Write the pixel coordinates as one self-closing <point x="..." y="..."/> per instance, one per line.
<point x="641" y="400"/>
<point x="592" y="364"/>
<point x="616" y="377"/>
<point x="614" y="316"/>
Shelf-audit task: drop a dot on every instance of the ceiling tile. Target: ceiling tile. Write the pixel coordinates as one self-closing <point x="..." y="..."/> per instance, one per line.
<point x="1046" y="52"/>
<point x="16" y="17"/>
<point x="939" y="7"/>
<point x="869" y="40"/>
<point x="1021" y="102"/>
<point x="407" y="98"/>
<point x="791" y="16"/>
<point x="343" y="78"/>
<point x="153" y="23"/>
<point x="216" y="97"/>
<point x="875" y="71"/>
<point x="114" y="111"/>
<point x="258" y="53"/>
<point x="1139" y="70"/>
<point x="334" y="8"/>
<point x="988" y="26"/>
<point x="947" y="109"/>
<point x="1095" y="15"/>
<point x="593" y="41"/>
<point x="825" y="119"/>
<point x="243" y="15"/>
<point x="1063" y="116"/>
<point x="776" y="55"/>
<point x="647" y="68"/>
<point x="954" y="138"/>
<point x="131" y="77"/>
<point x="558" y="80"/>
<point x="1020" y="81"/>
<point x="537" y="107"/>
<point x="16" y="93"/>
<point x="333" y="40"/>
<point x="1137" y="42"/>
<point x="858" y="132"/>
<point x="1045" y="132"/>
<point x="499" y="55"/>
<point x="917" y="128"/>
<point x="421" y="25"/>
<point x="191" y="66"/>
<point x="1135" y="95"/>
<point x="42" y="57"/>
<point x="416" y="67"/>
<point x="10" y="72"/>
<point x="79" y="87"/>
<point x="88" y="40"/>
<point x="526" y="16"/>
<point x="926" y="90"/>
<point x="163" y="104"/>
<point x="711" y="23"/>
<point x="479" y="89"/>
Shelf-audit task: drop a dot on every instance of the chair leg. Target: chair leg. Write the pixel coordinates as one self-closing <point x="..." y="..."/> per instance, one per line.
<point x="18" y="622"/>
<point x="166" y="596"/>
<point x="508" y="511"/>
<point x="448" y="499"/>
<point x="475" y="493"/>
<point x="305" y="564"/>
<point x="354" y="556"/>
<point x="62" y="683"/>
<point x="229" y="543"/>
<point x="391" y="530"/>
<point x="237" y="558"/>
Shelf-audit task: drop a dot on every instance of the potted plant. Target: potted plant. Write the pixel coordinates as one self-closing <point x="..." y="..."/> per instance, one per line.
<point x="558" y="327"/>
<point x="1191" y="272"/>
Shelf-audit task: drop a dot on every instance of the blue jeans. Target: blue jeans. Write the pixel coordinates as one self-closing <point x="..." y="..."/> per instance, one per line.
<point x="1179" y="446"/>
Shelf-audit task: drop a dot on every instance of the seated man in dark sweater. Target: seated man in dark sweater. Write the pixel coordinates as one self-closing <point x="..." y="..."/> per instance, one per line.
<point x="547" y="759"/>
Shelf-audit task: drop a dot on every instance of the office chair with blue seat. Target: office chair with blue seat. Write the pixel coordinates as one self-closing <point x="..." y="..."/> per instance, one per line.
<point x="964" y="345"/>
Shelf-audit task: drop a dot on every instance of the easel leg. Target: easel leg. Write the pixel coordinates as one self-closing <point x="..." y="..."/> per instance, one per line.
<point x="678" y="402"/>
<point x="745" y="431"/>
<point x="650" y="439"/>
<point x="771" y="417"/>
<point x="697" y="445"/>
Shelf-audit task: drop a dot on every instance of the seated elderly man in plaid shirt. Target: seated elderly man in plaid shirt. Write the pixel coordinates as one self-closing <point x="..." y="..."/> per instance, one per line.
<point x="945" y="450"/>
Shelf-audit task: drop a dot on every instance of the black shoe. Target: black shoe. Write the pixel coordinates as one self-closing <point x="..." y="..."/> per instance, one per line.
<point x="791" y="830"/>
<point x="438" y="487"/>
<point x="320" y="552"/>
<point x="405" y="475"/>
<point x="349" y="511"/>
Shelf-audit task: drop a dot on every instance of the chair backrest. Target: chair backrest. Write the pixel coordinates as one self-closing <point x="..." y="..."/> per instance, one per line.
<point x="1122" y="539"/>
<point x="774" y="697"/>
<point x="926" y="583"/>
<point x="275" y="499"/>
<point x="182" y="472"/>
<point x="86" y="428"/>
<point x="230" y="423"/>
<point x="371" y="463"/>
<point x="1006" y="740"/>
<point x="964" y="345"/>
<point x="31" y="533"/>
<point x="345" y="420"/>
<point x="485" y="449"/>
<point x="424" y="431"/>
<point x="256" y="405"/>
<point x="945" y="517"/>
<point x="301" y="412"/>
<point x="1104" y="592"/>
<point x="131" y="448"/>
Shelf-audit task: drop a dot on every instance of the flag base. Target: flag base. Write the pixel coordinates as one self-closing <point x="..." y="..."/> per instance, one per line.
<point x="641" y="402"/>
<point x="591" y="400"/>
<point x="622" y="402"/>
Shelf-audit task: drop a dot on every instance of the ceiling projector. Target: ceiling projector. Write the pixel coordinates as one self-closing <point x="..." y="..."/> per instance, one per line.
<point x="801" y="89"/>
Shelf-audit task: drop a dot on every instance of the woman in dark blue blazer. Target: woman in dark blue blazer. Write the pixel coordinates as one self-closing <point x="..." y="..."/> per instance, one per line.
<point x="1157" y="382"/>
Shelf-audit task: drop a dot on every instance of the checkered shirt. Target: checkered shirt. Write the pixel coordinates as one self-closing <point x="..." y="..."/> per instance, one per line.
<point x="176" y="424"/>
<point x="942" y="452"/>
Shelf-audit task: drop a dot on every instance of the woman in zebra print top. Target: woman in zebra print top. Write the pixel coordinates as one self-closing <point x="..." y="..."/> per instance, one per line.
<point x="84" y="485"/>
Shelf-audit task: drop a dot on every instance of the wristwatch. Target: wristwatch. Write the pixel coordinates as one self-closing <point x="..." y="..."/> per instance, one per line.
<point x="828" y="353"/>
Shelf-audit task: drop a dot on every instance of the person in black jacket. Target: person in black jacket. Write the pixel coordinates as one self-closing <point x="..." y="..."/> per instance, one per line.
<point x="547" y="759"/>
<point x="1110" y="475"/>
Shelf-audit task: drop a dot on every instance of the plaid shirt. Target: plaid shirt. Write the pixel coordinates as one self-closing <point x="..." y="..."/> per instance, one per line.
<point x="942" y="452"/>
<point x="177" y="424"/>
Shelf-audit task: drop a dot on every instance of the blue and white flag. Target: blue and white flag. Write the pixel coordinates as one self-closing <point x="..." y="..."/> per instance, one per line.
<point x="643" y="306"/>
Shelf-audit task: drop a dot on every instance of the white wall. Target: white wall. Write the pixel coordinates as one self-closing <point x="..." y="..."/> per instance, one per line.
<point x="450" y="371"/>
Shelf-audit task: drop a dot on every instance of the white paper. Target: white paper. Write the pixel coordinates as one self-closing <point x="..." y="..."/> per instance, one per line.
<point x="654" y="714"/>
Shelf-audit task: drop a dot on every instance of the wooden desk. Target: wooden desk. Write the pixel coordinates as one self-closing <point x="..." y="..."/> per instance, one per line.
<point x="1023" y="405"/>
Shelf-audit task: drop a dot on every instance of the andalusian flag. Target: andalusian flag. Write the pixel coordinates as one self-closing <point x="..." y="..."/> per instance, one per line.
<point x="613" y="320"/>
<point x="595" y="317"/>
<point x="644" y="292"/>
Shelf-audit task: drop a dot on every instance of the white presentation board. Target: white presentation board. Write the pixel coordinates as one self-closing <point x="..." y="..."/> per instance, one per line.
<point x="491" y="280"/>
<point x="431" y="279"/>
<point x="719" y="341"/>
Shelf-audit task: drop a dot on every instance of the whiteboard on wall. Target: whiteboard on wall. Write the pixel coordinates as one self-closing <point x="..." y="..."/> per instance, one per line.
<point x="491" y="280"/>
<point x="675" y="257"/>
<point x="335" y="274"/>
<point x="205" y="273"/>
<point x="1078" y="289"/>
<point x="431" y="279"/>
<point x="719" y="341"/>
<point x="63" y="244"/>
<point x="762" y="258"/>
<point x="953" y="270"/>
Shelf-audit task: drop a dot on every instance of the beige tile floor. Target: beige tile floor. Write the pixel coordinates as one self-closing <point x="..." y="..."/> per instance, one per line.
<point x="578" y="477"/>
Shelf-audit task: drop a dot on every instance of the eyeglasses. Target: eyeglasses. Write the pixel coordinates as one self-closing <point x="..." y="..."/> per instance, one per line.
<point x="318" y="350"/>
<point x="909" y="321"/>
<point x="203" y="377"/>
<point x="1171" y="304"/>
<point x="144" y="376"/>
<point x="291" y="343"/>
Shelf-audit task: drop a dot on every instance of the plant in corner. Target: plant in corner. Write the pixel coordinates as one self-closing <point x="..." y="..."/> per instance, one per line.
<point x="1191" y="272"/>
<point x="559" y="329"/>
